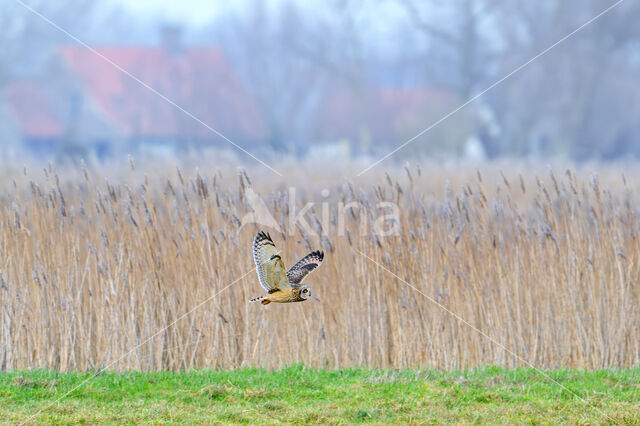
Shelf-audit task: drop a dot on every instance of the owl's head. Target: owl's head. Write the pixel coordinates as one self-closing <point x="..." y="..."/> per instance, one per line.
<point x="305" y="292"/>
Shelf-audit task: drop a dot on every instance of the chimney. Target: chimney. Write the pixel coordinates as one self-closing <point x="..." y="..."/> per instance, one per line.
<point x="171" y="39"/>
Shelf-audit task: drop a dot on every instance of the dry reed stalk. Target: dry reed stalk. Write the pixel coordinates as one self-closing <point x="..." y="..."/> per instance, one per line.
<point x="90" y="268"/>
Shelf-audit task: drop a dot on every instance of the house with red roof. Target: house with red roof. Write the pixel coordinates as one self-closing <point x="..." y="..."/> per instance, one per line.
<point x="167" y="98"/>
<point x="123" y="99"/>
<point x="379" y="118"/>
<point x="28" y="116"/>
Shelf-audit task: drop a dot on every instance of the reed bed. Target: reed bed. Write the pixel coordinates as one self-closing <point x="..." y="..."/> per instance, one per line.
<point x="149" y="269"/>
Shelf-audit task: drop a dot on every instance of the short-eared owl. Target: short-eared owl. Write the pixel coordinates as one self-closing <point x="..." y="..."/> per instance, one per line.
<point x="281" y="286"/>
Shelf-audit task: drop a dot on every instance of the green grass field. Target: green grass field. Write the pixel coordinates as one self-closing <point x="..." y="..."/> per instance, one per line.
<point x="298" y="394"/>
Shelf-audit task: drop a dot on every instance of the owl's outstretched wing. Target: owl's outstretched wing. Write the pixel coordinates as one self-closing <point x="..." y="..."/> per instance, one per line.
<point x="304" y="266"/>
<point x="269" y="265"/>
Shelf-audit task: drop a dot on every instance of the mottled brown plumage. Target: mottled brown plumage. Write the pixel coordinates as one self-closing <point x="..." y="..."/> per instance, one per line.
<point x="281" y="286"/>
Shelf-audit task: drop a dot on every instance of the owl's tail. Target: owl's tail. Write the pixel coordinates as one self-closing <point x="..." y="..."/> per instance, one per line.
<point x="261" y="299"/>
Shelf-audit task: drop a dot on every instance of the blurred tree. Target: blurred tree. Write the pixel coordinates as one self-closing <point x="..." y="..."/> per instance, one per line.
<point x="460" y="52"/>
<point x="334" y="44"/>
<point x="579" y="100"/>
<point x="285" y="85"/>
<point x="462" y="33"/>
<point x="26" y="40"/>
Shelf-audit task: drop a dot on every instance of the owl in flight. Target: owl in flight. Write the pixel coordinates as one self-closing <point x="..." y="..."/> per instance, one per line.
<point x="282" y="286"/>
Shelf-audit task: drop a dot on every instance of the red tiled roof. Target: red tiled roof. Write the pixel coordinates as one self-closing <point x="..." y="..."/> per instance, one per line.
<point x="199" y="80"/>
<point x="32" y="111"/>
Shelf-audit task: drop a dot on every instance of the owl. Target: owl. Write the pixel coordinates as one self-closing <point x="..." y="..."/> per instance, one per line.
<point x="281" y="286"/>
